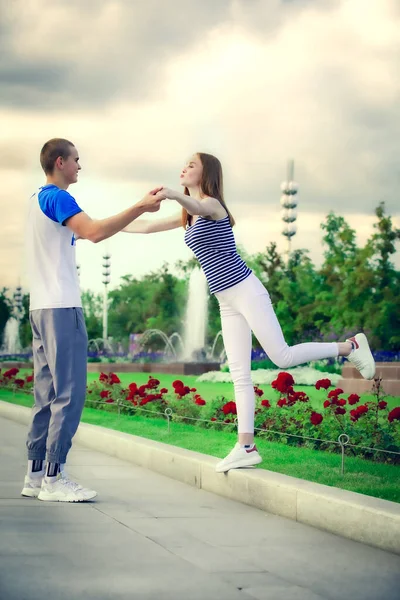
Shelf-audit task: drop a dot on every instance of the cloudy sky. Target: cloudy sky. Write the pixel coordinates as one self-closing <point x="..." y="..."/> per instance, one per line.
<point x="138" y="86"/>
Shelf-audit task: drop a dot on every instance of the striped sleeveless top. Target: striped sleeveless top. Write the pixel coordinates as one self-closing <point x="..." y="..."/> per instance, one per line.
<point x="213" y="244"/>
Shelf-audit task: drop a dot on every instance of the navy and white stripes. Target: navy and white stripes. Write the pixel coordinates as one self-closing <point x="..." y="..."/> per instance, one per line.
<point x="213" y="244"/>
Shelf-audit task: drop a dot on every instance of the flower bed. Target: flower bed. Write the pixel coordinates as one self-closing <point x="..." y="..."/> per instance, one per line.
<point x="303" y="375"/>
<point x="286" y="415"/>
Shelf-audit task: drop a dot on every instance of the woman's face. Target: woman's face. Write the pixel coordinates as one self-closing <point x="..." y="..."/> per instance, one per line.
<point x="192" y="172"/>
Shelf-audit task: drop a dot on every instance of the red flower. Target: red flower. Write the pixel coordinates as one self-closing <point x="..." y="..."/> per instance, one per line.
<point x="340" y="411"/>
<point x="382" y="404"/>
<point x="104" y="394"/>
<point x="281" y="402"/>
<point x="283" y="382"/>
<point x="316" y="418"/>
<point x="177" y="383"/>
<point x="394" y="414"/>
<point x="200" y="401"/>
<point x="142" y="391"/>
<point x="229" y="407"/>
<point x="152" y="383"/>
<point x="114" y="378"/>
<point x="323" y="383"/>
<point x="133" y="388"/>
<point x="266" y="403"/>
<point x="29" y="379"/>
<point x="103" y="378"/>
<point x="353" y="399"/>
<point x="327" y="404"/>
<point x="164" y="391"/>
<point x="144" y="401"/>
<point x="183" y="391"/>
<point x="110" y="400"/>
<point x="258" y="392"/>
<point x="193" y="390"/>
<point x="11" y="373"/>
<point x="356" y="413"/>
<point x="302" y="396"/>
<point x="213" y="419"/>
<point x="335" y="393"/>
<point x="19" y="382"/>
<point x="341" y="402"/>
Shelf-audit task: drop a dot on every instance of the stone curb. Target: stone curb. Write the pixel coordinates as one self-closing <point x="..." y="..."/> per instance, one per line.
<point x="355" y="516"/>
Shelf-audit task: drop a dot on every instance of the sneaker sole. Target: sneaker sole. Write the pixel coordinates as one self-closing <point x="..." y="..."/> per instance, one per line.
<point x="364" y="346"/>
<point x="52" y="498"/>
<point x="30" y="493"/>
<point x="251" y="462"/>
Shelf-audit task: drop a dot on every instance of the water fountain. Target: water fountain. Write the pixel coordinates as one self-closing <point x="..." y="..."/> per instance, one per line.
<point x="11" y="342"/>
<point x="185" y="355"/>
<point x="194" y="336"/>
<point x="11" y="347"/>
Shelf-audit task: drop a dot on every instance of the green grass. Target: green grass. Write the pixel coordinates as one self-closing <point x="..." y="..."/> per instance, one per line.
<point x="365" y="477"/>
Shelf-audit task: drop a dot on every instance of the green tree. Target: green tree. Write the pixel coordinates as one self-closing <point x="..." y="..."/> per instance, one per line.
<point x="25" y="331"/>
<point x="5" y="310"/>
<point x="92" y="304"/>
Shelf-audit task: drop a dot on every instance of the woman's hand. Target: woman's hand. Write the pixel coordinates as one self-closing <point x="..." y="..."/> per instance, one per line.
<point x="168" y="193"/>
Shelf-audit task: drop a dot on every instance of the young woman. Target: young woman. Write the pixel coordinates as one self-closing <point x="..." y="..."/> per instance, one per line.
<point x="245" y="305"/>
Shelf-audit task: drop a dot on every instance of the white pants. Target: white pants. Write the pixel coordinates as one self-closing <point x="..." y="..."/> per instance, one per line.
<point x="247" y="307"/>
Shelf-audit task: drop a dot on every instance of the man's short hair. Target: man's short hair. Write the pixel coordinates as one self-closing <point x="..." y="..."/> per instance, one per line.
<point x="52" y="150"/>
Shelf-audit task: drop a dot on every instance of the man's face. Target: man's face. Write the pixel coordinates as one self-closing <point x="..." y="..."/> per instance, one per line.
<point x="71" y="166"/>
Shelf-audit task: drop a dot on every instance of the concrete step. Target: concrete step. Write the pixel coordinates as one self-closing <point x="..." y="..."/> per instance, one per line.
<point x="363" y="386"/>
<point x="384" y="370"/>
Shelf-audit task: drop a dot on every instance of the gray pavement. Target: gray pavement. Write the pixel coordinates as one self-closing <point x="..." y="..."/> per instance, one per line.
<point x="150" y="537"/>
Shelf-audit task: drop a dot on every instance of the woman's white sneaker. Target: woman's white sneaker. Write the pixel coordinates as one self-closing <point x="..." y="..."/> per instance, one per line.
<point x="239" y="457"/>
<point x="64" y="490"/>
<point x="361" y="356"/>
<point x="32" y="486"/>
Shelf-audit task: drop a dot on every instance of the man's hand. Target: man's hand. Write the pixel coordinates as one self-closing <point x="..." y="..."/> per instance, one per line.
<point x="151" y="201"/>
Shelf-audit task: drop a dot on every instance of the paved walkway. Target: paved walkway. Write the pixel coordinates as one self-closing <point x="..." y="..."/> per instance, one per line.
<point x="150" y="537"/>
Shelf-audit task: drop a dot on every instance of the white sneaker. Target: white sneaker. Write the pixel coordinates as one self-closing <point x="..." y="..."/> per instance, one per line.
<point x="77" y="486"/>
<point x="361" y="356"/>
<point x="64" y="490"/>
<point x="32" y="486"/>
<point x="239" y="457"/>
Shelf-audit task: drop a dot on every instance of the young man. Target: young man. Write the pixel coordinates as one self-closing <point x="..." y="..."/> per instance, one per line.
<point x="59" y="334"/>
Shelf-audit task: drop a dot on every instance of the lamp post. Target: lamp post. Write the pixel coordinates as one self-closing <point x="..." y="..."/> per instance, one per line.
<point x="18" y="302"/>
<point x="106" y="281"/>
<point x="289" y="203"/>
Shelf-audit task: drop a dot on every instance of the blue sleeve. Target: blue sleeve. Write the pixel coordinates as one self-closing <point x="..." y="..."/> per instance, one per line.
<point x="58" y="205"/>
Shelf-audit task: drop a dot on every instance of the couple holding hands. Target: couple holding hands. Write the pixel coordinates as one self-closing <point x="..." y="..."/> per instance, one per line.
<point x="55" y="221"/>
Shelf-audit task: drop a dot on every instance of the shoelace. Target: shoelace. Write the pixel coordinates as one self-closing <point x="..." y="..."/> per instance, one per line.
<point x="71" y="484"/>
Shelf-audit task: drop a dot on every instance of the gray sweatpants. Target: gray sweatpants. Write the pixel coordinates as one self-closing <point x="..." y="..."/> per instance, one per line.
<point x="59" y="361"/>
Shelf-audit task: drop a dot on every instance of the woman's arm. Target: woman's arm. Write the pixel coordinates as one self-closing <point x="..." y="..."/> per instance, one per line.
<point x="145" y="226"/>
<point x="208" y="207"/>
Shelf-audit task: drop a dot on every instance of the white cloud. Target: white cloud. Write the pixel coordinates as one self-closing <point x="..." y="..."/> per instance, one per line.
<point x="255" y="88"/>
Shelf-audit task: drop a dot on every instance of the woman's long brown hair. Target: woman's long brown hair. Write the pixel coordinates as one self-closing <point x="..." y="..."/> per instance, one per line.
<point x="211" y="185"/>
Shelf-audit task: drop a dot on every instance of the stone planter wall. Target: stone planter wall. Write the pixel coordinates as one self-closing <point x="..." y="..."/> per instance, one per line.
<point x="352" y="381"/>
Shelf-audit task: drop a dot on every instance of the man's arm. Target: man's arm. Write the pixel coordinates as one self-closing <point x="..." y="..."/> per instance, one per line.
<point x="98" y="230"/>
<point x="144" y="226"/>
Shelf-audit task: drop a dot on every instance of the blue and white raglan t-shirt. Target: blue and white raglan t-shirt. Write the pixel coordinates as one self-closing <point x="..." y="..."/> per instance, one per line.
<point x="50" y="246"/>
